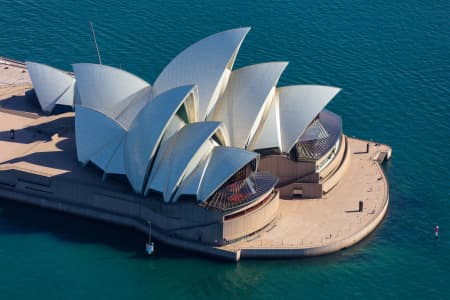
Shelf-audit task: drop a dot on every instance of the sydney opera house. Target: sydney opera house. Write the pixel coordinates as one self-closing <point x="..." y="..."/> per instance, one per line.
<point x="208" y="150"/>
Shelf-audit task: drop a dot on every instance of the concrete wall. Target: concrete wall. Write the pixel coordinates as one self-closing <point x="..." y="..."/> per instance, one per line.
<point x="185" y="220"/>
<point x="285" y="169"/>
<point x="338" y="174"/>
<point x="253" y="221"/>
<point x="300" y="179"/>
<point x="308" y="190"/>
<point x="295" y="176"/>
<point x="334" y="164"/>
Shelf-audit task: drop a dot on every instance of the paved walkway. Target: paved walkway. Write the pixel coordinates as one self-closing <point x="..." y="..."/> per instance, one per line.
<point x="318" y="223"/>
<point x="12" y="73"/>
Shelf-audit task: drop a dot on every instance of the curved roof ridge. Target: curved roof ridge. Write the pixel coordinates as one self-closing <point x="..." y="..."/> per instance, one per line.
<point x="299" y="105"/>
<point x="132" y="106"/>
<point x="191" y="183"/>
<point x="270" y="133"/>
<point x="102" y="157"/>
<point x="204" y="63"/>
<point x="93" y="131"/>
<point x="176" y="155"/>
<point x="222" y="165"/>
<point x="52" y="86"/>
<point x="112" y="68"/>
<point x="246" y="100"/>
<point x="104" y="114"/>
<point x="147" y="131"/>
<point x="279" y="63"/>
<point x="116" y="164"/>
<point x="105" y="88"/>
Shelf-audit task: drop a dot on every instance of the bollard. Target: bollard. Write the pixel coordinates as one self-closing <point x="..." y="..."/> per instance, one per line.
<point x="361" y="206"/>
<point x="12" y="134"/>
<point x="436" y="232"/>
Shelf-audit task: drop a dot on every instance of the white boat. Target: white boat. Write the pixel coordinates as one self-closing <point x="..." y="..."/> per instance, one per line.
<point x="149" y="246"/>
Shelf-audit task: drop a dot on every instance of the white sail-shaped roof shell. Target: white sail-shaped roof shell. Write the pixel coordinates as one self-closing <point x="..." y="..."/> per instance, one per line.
<point x="293" y="109"/>
<point x="190" y="184"/>
<point x="246" y="100"/>
<point x="52" y="86"/>
<point x="97" y="136"/>
<point x="299" y="105"/>
<point x="179" y="155"/>
<point x="224" y="163"/>
<point x="270" y="134"/>
<point x="207" y="63"/>
<point x="106" y="89"/>
<point x="116" y="164"/>
<point x="103" y="157"/>
<point x="132" y="106"/>
<point x="150" y="134"/>
<point x="108" y="101"/>
<point x="155" y="121"/>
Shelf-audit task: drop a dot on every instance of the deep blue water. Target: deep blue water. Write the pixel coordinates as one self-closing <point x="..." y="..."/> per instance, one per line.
<point x="392" y="59"/>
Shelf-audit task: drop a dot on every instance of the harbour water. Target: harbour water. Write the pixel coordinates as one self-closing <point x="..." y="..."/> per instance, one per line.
<point x="392" y="59"/>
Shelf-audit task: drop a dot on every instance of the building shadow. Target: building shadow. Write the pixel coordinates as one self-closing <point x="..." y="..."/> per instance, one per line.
<point x="29" y="103"/>
<point x="24" y="103"/>
<point x="41" y="132"/>
<point x="24" y="219"/>
<point x="51" y="159"/>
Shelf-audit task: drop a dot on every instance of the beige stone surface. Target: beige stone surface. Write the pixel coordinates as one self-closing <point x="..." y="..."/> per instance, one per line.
<point x="12" y="73"/>
<point x="36" y="135"/>
<point x="314" y="223"/>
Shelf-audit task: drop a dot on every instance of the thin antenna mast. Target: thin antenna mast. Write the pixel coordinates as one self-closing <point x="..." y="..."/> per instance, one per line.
<point x="95" y="41"/>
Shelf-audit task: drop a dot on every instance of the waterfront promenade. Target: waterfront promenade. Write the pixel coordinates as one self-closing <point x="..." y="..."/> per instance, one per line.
<point x="308" y="227"/>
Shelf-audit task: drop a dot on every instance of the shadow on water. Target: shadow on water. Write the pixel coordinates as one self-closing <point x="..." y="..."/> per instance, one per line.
<point x="22" y="219"/>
